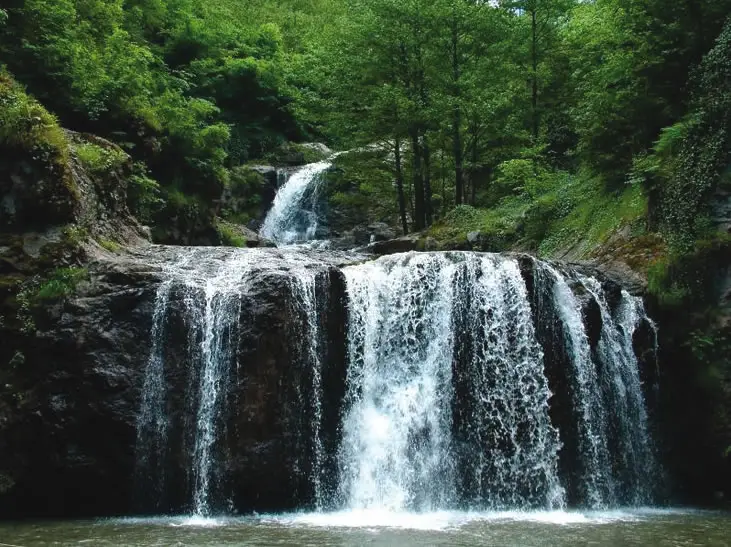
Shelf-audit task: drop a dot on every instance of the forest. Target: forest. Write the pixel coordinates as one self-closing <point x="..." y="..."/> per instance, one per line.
<point x="487" y="111"/>
<point x="577" y="131"/>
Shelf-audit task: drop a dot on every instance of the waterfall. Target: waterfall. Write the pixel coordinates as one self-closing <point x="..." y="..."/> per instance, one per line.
<point x="623" y="394"/>
<point x="473" y="381"/>
<point x="293" y="217"/>
<point x="449" y="403"/>
<point x="219" y="326"/>
<point x="396" y="440"/>
<point x="211" y="298"/>
<point x="304" y="288"/>
<point x="510" y="448"/>
<point x="399" y="449"/>
<point x="590" y="412"/>
<point x="200" y="301"/>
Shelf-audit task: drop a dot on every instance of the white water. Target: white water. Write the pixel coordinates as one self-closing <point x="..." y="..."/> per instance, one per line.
<point x="447" y="403"/>
<point x="623" y="392"/>
<point x="293" y="217"/>
<point x="513" y="448"/>
<point x="304" y="288"/>
<point x="398" y="451"/>
<point x="152" y="422"/>
<point x="395" y="452"/>
<point x="597" y="484"/>
<point x="218" y="349"/>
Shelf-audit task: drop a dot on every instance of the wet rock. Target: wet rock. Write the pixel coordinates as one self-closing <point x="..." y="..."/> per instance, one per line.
<point x="70" y="402"/>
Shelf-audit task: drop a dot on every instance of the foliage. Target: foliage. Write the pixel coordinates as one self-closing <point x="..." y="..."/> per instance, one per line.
<point x="705" y="154"/>
<point x="27" y="126"/>
<point x="688" y="278"/>
<point x="229" y="236"/>
<point x="99" y="160"/>
<point x="110" y="245"/>
<point x="42" y="289"/>
<point x="61" y="282"/>
<point x="143" y="194"/>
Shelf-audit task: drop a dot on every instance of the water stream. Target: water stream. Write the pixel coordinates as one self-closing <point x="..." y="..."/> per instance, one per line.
<point x="472" y="381"/>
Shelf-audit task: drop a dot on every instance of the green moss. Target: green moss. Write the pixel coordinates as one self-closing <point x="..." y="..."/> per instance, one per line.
<point x="99" y="160"/>
<point x="229" y="236"/>
<point x="74" y="235"/>
<point x="109" y="245"/>
<point x="688" y="278"/>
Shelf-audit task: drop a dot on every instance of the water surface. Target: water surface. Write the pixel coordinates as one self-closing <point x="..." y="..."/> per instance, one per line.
<point x="621" y="527"/>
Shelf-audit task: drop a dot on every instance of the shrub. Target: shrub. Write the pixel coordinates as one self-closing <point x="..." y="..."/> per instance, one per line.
<point x="26" y="125"/>
<point x="61" y="283"/>
<point x="98" y="160"/>
<point x="229" y="236"/>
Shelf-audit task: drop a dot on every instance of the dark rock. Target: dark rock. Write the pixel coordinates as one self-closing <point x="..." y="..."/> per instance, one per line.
<point x="70" y="402"/>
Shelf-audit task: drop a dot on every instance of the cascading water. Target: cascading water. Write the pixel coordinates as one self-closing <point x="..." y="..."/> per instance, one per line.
<point x="623" y="394"/>
<point x="152" y="426"/>
<point x="448" y="403"/>
<point x="590" y="412"/>
<point x="304" y="288"/>
<point x="400" y="450"/>
<point x="203" y="291"/>
<point x="456" y="364"/>
<point x="395" y="453"/>
<point x="293" y="217"/>
<point x="219" y="326"/>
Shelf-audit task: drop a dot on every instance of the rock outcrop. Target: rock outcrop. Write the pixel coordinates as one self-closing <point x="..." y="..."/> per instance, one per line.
<point x="69" y="406"/>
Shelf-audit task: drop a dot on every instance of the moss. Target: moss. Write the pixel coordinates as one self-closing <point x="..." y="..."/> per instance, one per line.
<point x="74" y="235"/>
<point x="99" y="160"/>
<point x="689" y="278"/>
<point x="109" y="245"/>
<point x="229" y="236"/>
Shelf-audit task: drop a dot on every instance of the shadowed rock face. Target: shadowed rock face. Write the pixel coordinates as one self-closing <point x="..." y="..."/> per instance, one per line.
<point x="70" y="410"/>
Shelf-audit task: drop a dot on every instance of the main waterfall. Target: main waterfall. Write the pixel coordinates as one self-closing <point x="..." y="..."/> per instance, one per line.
<point x="449" y="403"/>
<point x="291" y="378"/>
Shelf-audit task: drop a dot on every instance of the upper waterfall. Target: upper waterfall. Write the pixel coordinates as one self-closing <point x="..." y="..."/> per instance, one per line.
<point x="293" y="217"/>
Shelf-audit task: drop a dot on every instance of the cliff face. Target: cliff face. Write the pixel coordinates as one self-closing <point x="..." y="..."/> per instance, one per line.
<point x="70" y="405"/>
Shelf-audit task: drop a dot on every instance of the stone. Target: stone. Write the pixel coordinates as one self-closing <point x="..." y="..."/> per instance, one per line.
<point x="473" y="237"/>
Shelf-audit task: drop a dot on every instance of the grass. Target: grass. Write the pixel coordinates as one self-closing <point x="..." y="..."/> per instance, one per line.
<point x="109" y="245"/>
<point x="229" y="236"/>
<point x="573" y="213"/>
<point x="98" y="160"/>
<point x="595" y="217"/>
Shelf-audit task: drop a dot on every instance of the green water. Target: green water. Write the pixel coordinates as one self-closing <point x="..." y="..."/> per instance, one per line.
<point x="615" y="528"/>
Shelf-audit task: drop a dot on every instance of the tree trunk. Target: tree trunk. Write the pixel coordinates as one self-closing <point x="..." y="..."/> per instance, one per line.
<point x="474" y="177"/>
<point x="419" y="218"/>
<point x="457" y="121"/>
<point x="400" y="186"/>
<point x="534" y="60"/>
<point x="426" y="153"/>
